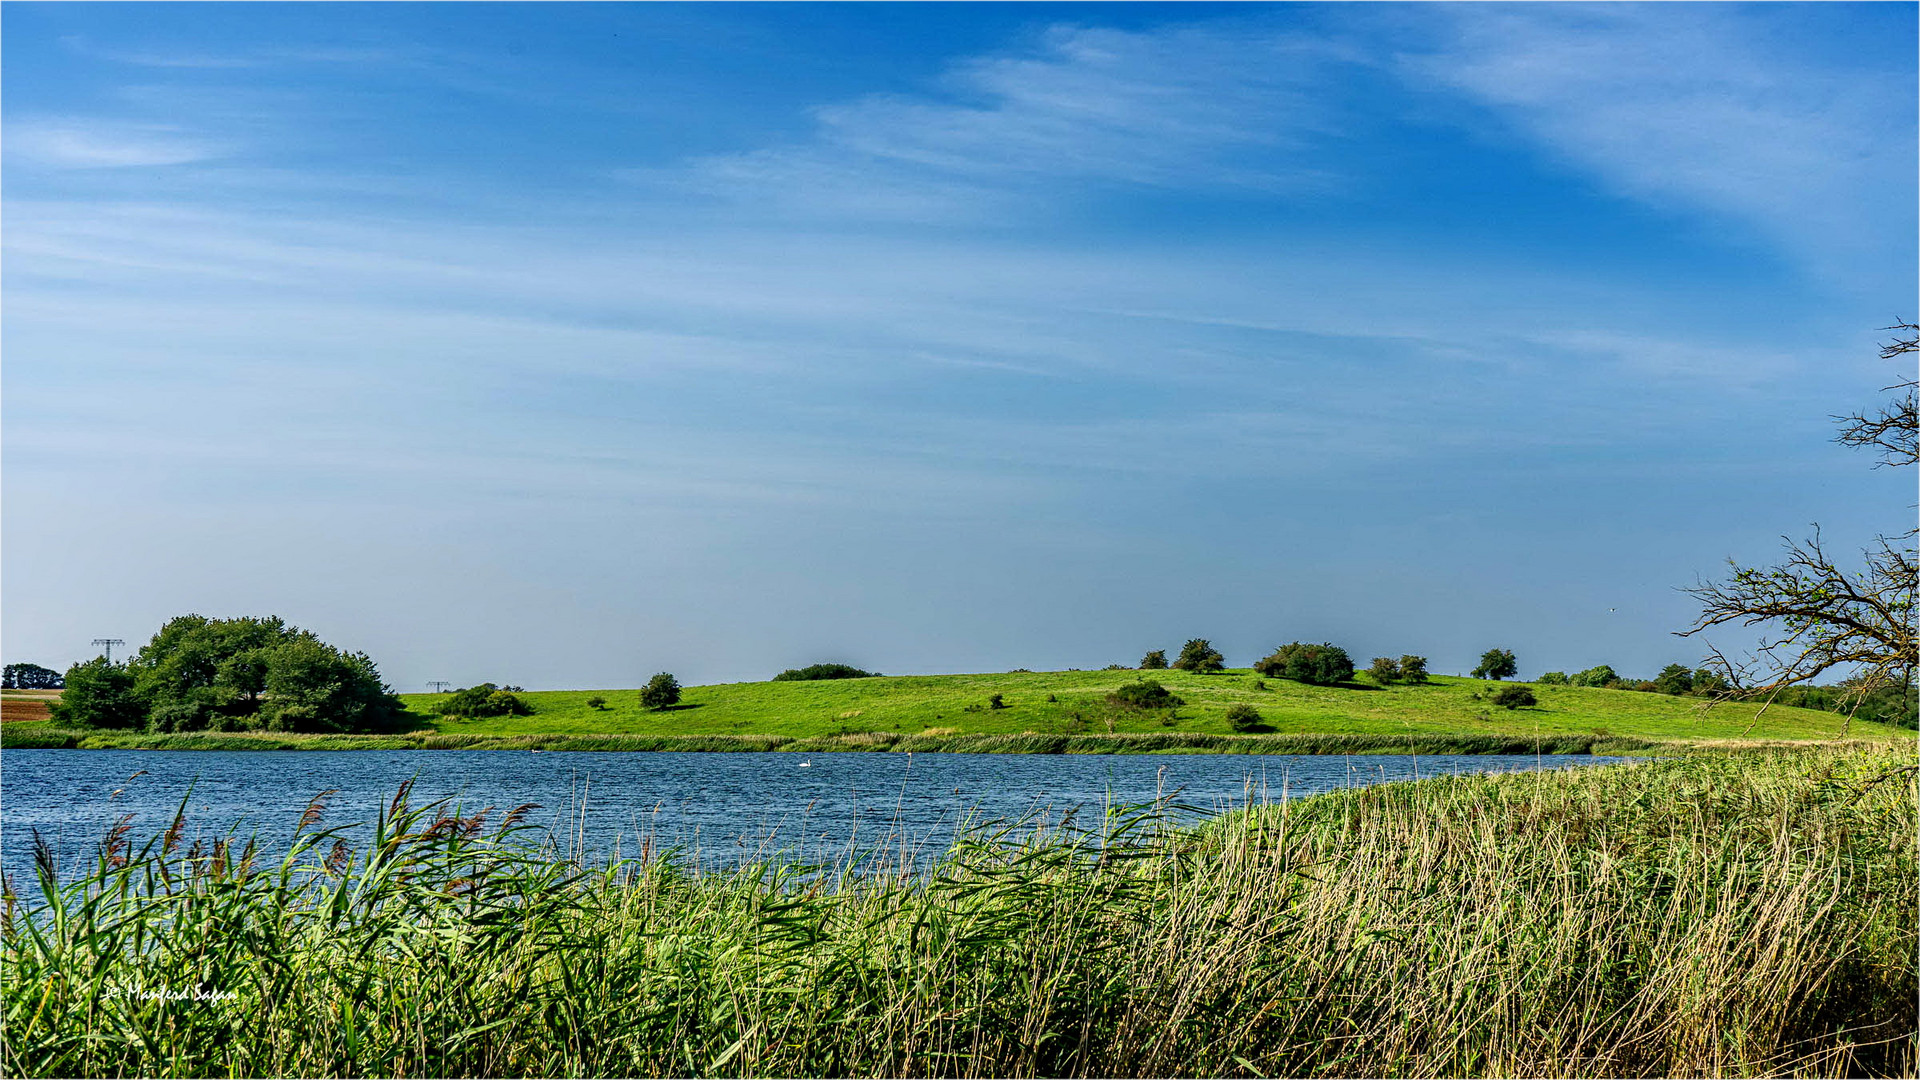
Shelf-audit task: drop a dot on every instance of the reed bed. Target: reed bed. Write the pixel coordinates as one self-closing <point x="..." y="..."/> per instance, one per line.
<point x="1743" y="915"/>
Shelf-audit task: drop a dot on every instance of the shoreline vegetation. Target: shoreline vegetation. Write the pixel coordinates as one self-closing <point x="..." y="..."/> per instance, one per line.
<point x="1724" y="914"/>
<point x="1233" y="711"/>
<point x="883" y="742"/>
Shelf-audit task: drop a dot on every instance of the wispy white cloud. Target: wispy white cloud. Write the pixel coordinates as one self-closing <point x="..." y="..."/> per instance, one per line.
<point x="78" y="143"/>
<point x="1697" y="107"/>
<point x="1205" y="106"/>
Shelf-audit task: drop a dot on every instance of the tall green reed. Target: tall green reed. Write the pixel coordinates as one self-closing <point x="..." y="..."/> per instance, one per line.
<point x="1707" y="916"/>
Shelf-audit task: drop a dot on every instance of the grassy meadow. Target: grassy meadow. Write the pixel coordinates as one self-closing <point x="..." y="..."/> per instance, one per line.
<point x="1742" y="914"/>
<point x="1053" y="712"/>
<point x="1074" y="702"/>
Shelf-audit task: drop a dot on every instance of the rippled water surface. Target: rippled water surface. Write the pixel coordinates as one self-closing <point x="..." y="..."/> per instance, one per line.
<point x="718" y="806"/>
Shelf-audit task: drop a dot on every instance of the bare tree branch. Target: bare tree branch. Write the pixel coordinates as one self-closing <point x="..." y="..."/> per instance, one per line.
<point x="1891" y="429"/>
<point x="1818" y="616"/>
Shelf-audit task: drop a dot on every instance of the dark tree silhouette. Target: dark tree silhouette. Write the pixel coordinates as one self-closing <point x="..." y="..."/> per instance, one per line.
<point x="31" y="677"/>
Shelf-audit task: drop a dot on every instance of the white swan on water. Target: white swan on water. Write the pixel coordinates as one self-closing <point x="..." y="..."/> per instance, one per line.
<point x="807" y="763"/>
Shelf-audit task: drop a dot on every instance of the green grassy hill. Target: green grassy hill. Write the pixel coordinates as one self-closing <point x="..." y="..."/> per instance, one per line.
<point x="1074" y="703"/>
<point x="1051" y="712"/>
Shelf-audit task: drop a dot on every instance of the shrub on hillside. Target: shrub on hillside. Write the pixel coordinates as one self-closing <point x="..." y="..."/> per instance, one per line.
<point x="1243" y="717"/>
<point x="1553" y="678"/>
<point x="1145" y="694"/>
<point x="596" y="702"/>
<point x="824" y="671"/>
<point x="1513" y="697"/>
<point x="1413" y="669"/>
<point x="1496" y="664"/>
<point x="1154" y="661"/>
<point x="662" y="691"/>
<point x="1318" y="665"/>
<point x="1385" y="670"/>
<point x="1199" y="655"/>
<point x="996" y="701"/>
<point x="1274" y="664"/>
<point x="1599" y="675"/>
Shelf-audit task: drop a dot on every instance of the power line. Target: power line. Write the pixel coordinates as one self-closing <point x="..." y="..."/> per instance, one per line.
<point x="109" y="643"/>
<point x="438" y="686"/>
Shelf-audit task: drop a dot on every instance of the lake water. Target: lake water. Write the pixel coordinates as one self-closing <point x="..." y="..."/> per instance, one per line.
<point x="718" y="807"/>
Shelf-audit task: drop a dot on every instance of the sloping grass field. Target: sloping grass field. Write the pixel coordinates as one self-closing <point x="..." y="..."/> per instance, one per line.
<point x="1075" y="703"/>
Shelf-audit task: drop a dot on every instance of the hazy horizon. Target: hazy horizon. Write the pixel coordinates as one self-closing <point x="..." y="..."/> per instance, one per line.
<point x="559" y="345"/>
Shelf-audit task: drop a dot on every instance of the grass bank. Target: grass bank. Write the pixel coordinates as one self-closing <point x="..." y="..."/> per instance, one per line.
<point x="1710" y="915"/>
<point x="53" y="738"/>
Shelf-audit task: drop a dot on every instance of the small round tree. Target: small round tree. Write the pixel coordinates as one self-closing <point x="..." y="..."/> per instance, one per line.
<point x="1385" y="670"/>
<point x="1199" y="656"/>
<point x="1413" y="669"/>
<point x="1243" y="717"/>
<point x="1154" y="661"/>
<point x="661" y="692"/>
<point x="1496" y="664"/>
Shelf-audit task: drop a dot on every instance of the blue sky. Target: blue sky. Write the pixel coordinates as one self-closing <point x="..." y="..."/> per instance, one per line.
<point x="562" y="344"/>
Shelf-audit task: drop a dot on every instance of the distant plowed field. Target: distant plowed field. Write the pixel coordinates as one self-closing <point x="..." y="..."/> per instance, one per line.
<point x="14" y="709"/>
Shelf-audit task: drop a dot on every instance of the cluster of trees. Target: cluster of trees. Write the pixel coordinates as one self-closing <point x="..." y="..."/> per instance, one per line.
<point x="485" y="700"/>
<point x="1886" y="703"/>
<point x="1407" y="669"/>
<point x="1676" y="679"/>
<point x="827" y="671"/>
<point x="1317" y="665"/>
<point x="1324" y="664"/>
<point x="31" y="677"/>
<point x="201" y="674"/>
<point x="1197" y="655"/>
